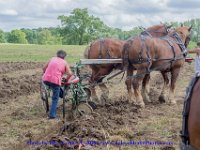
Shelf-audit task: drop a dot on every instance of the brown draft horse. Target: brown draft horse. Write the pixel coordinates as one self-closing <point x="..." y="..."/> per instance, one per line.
<point x="191" y="123"/>
<point x="103" y="49"/>
<point x="109" y="49"/>
<point x="165" y="54"/>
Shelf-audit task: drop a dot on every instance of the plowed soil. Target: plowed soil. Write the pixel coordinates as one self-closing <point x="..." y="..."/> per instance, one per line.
<point x="23" y="120"/>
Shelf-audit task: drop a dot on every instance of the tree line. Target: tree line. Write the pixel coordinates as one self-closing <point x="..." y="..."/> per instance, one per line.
<point x="80" y="28"/>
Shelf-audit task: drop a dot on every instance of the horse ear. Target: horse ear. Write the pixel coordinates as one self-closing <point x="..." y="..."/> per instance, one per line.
<point x="190" y="28"/>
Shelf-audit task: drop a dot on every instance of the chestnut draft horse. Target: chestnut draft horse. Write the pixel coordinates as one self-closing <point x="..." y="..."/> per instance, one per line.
<point x="165" y="54"/>
<point x="190" y="133"/>
<point x="111" y="49"/>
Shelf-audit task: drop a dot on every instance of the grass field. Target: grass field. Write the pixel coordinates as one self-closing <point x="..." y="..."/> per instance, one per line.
<point x="38" y="53"/>
<point x="42" y="53"/>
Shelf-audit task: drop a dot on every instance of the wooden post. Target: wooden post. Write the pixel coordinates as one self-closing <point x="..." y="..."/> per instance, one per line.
<point x="100" y="61"/>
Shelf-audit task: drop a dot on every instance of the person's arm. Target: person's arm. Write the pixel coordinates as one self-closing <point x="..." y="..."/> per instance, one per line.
<point x="195" y="50"/>
<point x="68" y="70"/>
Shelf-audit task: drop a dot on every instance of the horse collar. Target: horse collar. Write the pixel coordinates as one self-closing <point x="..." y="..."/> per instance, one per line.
<point x="180" y="43"/>
<point x="146" y="33"/>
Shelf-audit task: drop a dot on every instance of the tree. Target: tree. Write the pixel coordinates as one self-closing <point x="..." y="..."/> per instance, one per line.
<point x="31" y="35"/>
<point x="2" y="37"/>
<point x="17" y="36"/>
<point x="80" y="27"/>
<point x="45" y="37"/>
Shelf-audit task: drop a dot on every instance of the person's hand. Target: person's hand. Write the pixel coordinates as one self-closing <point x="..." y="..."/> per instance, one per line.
<point x="198" y="51"/>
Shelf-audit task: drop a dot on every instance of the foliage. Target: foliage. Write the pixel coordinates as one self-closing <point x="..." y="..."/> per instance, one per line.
<point x="195" y="23"/>
<point x="2" y="37"/>
<point x="80" y="27"/>
<point x="17" y="36"/>
<point x="31" y="35"/>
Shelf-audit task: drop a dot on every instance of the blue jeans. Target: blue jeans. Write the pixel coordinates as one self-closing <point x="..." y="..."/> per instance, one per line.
<point x="55" y="97"/>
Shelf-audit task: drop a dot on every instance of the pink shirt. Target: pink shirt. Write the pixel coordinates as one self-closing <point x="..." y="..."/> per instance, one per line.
<point x="55" y="70"/>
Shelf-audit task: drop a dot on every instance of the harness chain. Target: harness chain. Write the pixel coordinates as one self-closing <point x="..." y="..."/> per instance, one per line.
<point x="172" y="48"/>
<point x="102" y="44"/>
<point x="147" y="53"/>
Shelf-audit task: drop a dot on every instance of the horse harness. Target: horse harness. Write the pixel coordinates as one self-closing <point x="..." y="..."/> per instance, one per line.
<point x="143" y="37"/>
<point x="101" y="46"/>
<point x="185" y="144"/>
<point x="108" y="55"/>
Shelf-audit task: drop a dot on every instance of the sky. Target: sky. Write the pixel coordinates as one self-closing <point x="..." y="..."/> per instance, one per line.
<point x="124" y="14"/>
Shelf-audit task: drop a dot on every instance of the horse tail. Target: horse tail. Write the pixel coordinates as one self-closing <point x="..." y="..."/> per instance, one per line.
<point x="86" y="52"/>
<point x="125" y="61"/>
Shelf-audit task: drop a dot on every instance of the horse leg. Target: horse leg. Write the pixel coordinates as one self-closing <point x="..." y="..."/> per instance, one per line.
<point x="129" y="82"/>
<point x="174" y="76"/>
<point x="93" y="85"/>
<point x="136" y="86"/>
<point x="145" y="88"/>
<point x="163" y="96"/>
<point x="105" y="93"/>
<point x="93" y="93"/>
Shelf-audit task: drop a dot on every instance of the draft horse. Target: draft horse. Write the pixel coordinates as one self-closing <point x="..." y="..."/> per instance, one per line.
<point x="111" y="49"/>
<point x="164" y="54"/>
<point x="190" y="133"/>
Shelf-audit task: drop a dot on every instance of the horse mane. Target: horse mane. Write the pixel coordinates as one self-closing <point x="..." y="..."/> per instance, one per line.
<point x="181" y="32"/>
<point x="155" y="27"/>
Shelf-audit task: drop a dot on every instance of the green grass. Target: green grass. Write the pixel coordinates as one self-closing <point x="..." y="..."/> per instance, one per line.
<point x="38" y="53"/>
<point x="42" y="53"/>
<point x="192" y="45"/>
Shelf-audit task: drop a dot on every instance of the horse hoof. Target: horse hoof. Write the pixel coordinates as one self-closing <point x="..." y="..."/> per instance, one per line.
<point x="161" y="99"/>
<point x="173" y="103"/>
<point x="103" y="99"/>
<point x="96" y="100"/>
<point x="147" y="100"/>
<point x="141" y="105"/>
<point x="132" y="101"/>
